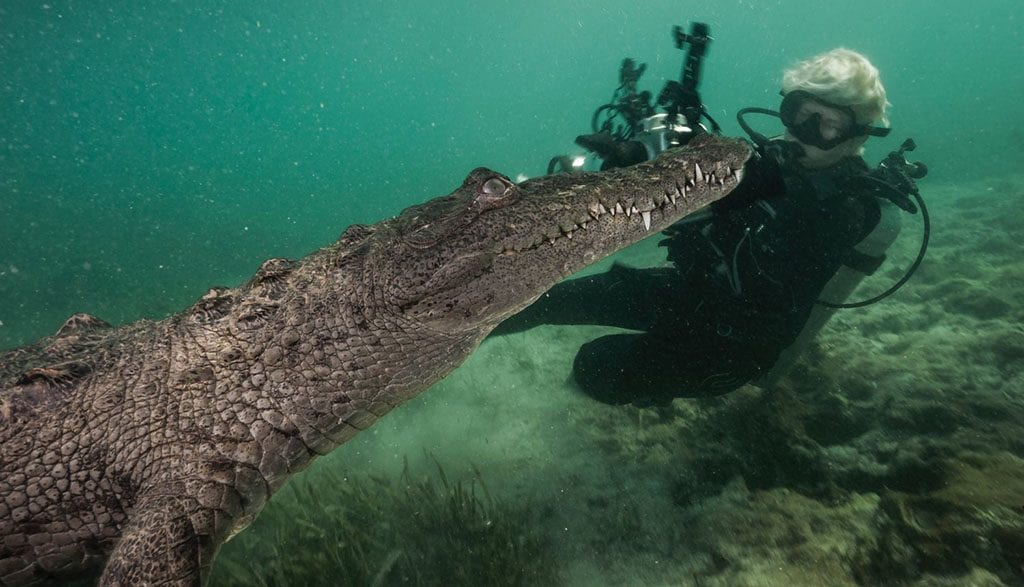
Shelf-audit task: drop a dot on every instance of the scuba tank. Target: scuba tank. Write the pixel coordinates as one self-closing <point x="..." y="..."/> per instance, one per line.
<point x="838" y="290"/>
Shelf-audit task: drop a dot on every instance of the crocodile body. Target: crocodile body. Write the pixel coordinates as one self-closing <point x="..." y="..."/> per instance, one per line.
<point x="139" y="450"/>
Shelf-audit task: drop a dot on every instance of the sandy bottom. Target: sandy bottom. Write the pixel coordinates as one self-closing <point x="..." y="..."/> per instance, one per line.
<point x="892" y="452"/>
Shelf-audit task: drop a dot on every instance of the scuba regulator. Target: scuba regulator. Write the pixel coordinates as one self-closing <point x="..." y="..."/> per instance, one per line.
<point x="892" y="180"/>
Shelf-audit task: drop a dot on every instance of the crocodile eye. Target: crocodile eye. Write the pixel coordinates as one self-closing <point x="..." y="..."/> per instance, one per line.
<point x="495" y="186"/>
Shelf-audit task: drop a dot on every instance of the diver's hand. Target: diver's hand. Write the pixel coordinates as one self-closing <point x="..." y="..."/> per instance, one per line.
<point x="614" y="153"/>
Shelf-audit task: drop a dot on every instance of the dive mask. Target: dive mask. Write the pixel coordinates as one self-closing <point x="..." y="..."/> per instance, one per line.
<point x="807" y="129"/>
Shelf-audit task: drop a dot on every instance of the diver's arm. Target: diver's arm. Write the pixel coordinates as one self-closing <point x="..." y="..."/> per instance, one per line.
<point x="763" y="179"/>
<point x="613" y="153"/>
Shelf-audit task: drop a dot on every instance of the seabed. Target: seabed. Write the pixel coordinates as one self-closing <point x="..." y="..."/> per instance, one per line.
<point x="892" y="453"/>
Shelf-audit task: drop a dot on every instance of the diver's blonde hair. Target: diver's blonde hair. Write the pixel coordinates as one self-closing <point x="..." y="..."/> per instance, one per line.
<point x="843" y="77"/>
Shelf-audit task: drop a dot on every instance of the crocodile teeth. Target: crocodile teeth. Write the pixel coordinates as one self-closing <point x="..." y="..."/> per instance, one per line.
<point x="670" y="193"/>
<point x="697" y="172"/>
<point x="618" y="209"/>
<point x="647" y="219"/>
<point x="632" y="210"/>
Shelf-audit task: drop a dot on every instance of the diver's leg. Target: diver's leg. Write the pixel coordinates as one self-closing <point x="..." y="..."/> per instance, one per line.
<point x="651" y="369"/>
<point x="621" y="297"/>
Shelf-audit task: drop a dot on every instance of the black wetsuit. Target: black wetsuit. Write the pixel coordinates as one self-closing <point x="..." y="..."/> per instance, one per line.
<point x="744" y="280"/>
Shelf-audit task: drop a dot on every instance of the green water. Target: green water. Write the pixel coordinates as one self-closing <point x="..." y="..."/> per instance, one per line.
<point x="149" y="150"/>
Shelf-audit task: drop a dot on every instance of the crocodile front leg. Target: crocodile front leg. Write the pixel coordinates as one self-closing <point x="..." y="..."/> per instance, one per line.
<point x="161" y="545"/>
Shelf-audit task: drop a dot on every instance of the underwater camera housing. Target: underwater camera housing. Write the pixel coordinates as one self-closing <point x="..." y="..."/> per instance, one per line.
<point x="681" y="97"/>
<point x="630" y="129"/>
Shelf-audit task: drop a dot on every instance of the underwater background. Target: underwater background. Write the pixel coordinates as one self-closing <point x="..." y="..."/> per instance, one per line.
<point x="150" y="150"/>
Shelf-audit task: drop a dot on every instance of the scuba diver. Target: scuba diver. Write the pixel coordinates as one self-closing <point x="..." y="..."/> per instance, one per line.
<point x="746" y="273"/>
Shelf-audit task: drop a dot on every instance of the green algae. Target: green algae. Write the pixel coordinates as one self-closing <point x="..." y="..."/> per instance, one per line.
<point x="409" y="530"/>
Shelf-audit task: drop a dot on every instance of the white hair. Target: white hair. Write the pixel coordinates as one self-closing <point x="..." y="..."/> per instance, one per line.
<point x="842" y="77"/>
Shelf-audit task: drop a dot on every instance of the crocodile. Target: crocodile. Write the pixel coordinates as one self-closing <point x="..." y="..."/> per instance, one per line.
<point x="132" y="453"/>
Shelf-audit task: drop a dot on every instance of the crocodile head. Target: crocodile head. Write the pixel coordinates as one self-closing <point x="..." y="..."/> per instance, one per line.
<point x="469" y="260"/>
